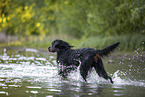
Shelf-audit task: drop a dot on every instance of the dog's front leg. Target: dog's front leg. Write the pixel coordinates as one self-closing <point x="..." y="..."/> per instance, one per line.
<point x="62" y="73"/>
<point x="65" y="70"/>
<point x="61" y="70"/>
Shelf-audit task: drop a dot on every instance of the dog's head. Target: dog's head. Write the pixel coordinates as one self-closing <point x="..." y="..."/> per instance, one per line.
<point x="58" y="45"/>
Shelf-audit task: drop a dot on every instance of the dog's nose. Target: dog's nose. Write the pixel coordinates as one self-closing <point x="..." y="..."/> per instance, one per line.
<point x="49" y="48"/>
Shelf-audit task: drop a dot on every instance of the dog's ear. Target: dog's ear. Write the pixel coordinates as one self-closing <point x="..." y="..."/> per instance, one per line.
<point x="60" y="44"/>
<point x="64" y="46"/>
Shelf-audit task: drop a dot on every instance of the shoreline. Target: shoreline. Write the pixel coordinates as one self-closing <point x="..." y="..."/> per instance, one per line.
<point x="130" y="55"/>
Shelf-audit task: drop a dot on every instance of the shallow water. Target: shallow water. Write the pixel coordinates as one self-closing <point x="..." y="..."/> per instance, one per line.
<point x="31" y="73"/>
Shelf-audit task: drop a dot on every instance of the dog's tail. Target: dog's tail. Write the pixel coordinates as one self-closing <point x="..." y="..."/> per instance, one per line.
<point x="107" y="50"/>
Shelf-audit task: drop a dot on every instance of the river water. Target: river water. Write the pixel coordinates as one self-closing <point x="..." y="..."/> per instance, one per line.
<point x="34" y="74"/>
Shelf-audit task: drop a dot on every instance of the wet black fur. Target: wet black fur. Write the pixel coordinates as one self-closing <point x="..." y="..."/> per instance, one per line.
<point x="69" y="59"/>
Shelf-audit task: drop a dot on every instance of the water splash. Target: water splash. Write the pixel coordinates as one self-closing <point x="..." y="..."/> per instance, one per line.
<point x="5" y="52"/>
<point x="125" y="81"/>
<point x="118" y="78"/>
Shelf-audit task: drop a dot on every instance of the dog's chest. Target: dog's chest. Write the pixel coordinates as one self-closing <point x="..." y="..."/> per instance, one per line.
<point x="69" y="58"/>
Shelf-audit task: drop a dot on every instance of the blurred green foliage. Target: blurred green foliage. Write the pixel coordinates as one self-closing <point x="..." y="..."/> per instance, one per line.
<point x="79" y="18"/>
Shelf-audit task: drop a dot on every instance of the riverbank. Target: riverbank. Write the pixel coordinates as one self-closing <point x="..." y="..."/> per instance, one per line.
<point x="128" y="42"/>
<point x="117" y="54"/>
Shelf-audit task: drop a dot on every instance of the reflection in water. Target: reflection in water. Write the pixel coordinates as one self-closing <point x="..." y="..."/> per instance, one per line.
<point x="31" y="75"/>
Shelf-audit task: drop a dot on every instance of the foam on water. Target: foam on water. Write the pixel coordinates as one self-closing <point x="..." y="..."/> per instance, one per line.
<point x="31" y="50"/>
<point x="25" y="69"/>
<point x="40" y="69"/>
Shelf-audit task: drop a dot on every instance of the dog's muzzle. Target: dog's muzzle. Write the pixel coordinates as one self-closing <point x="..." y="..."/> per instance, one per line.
<point x="51" y="49"/>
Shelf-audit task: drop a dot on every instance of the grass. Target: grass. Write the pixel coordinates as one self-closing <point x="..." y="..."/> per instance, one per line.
<point x="127" y="42"/>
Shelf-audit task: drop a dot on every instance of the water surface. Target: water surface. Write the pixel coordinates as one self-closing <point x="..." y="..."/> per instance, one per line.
<point x="34" y="74"/>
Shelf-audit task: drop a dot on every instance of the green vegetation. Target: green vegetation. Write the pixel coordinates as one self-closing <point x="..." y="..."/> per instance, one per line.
<point x="93" y="23"/>
<point x="127" y="42"/>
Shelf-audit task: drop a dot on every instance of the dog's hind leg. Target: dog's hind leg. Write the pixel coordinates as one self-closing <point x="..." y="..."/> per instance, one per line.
<point x="100" y="70"/>
<point x="85" y="66"/>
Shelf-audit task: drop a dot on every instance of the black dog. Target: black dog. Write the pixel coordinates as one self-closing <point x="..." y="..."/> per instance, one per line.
<point x="69" y="59"/>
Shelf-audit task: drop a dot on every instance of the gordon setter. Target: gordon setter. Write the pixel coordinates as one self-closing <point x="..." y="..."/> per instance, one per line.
<point x="69" y="59"/>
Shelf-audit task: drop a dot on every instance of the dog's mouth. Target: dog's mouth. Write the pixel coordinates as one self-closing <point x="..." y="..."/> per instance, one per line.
<point x="51" y="49"/>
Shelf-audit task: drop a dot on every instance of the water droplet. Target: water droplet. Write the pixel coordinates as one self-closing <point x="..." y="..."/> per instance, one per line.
<point x="34" y="92"/>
